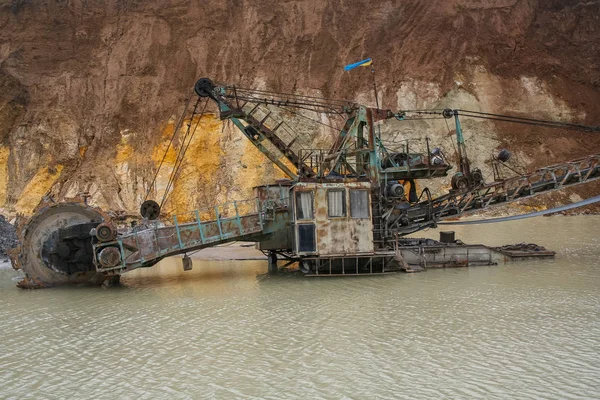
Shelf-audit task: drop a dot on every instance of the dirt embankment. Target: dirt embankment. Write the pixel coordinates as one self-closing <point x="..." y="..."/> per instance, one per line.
<point x="89" y="89"/>
<point x="8" y="238"/>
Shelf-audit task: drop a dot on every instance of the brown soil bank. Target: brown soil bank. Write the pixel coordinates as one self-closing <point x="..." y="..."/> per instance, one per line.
<point x="88" y="88"/>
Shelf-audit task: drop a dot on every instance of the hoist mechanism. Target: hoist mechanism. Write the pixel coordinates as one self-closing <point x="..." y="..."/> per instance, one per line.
<point x="357" y="152"/>
<point x="349" y="201"/>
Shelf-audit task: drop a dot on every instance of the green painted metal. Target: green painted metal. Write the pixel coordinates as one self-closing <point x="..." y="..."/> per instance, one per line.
<point x="263" y="149"/>
<point x="137" y="243"/>
<point x="260" y="214"/>
<point x="199" y="226"/>
<point x="219" y="222"/>
<point x="385" y="151"/>
<point x="459" y="133"/>
<point x="237" y="217"/>
<point x="122" y="253"/>
<point x="178" y="232"/>
<point x="461" y="148"/>
<point x="234" y="225"/>
<point x="361" y="127"/>
<point x="257" y="141"/>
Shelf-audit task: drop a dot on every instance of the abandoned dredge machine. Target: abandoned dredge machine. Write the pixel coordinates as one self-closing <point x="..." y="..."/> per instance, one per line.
<point x="343" y="210"/>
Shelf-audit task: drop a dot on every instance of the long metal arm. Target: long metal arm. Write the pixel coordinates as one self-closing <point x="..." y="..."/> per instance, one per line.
<point x="258" y="131"/>
<point x="427" y="213"/>
<point x="248" y="220"/>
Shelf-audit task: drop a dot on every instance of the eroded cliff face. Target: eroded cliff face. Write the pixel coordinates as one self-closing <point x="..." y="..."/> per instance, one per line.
<point x="90" y="90"/>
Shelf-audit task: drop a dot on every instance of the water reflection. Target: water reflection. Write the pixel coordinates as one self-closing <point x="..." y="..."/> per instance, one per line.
<point x="218" y="278"/>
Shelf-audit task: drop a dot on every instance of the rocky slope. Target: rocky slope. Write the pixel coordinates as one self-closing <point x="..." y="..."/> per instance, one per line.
<point x="90" y="90"/>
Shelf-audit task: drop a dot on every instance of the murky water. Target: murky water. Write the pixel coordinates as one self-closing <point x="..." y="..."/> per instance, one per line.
<point x="523" y="330"/>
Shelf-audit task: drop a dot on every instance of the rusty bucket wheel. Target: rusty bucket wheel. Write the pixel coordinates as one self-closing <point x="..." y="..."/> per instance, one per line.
<point x="55" y="246"/>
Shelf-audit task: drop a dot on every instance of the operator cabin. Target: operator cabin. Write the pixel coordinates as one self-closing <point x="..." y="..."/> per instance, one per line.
<point x="324" y="219"/>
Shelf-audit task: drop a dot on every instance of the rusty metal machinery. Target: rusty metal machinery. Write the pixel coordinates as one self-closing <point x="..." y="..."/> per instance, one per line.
<point x="428" y="213"/>
<point x="56" y="246"/>
<point x="71" y="242"/>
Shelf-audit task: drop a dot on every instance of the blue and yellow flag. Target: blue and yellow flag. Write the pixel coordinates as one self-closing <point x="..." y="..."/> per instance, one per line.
<point x="362" y="63"/>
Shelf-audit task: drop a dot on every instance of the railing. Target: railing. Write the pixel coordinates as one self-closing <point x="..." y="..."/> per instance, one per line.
<point x="187" y="231"/>
<point x="544" y="180"/>
<point x="227" y="210"/>
<point x="422" y="156"/>
<point x="323" y="163"/>
<point x="227" y="218"/>
<point x="282" y="140"/>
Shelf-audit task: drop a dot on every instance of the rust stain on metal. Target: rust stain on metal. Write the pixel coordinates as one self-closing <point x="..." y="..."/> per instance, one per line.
<point x="347" y="233"/>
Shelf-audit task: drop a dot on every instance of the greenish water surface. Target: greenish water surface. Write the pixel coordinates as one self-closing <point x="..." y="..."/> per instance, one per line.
<point x="528" y="330"/>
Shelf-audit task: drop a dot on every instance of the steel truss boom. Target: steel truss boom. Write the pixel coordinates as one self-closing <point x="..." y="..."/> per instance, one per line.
<point x="544" y="180"/>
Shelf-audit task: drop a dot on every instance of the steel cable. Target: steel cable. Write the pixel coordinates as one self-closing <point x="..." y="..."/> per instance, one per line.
<point x="183" y="150"/>
<point x="177" y="127"/>
<point x="510" y="118"/>
<point x="531" y="121"/>
<point x="529" y="215"/>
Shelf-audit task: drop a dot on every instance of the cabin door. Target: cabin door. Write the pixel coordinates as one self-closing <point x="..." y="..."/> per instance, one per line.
<point x="306" y="235"/>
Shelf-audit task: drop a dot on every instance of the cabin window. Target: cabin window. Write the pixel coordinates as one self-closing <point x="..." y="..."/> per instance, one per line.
<point x="359" y="203"/>
<point x="306" y="238"/>
<point x="304" y="205"/>
<point x="336" y="203"/>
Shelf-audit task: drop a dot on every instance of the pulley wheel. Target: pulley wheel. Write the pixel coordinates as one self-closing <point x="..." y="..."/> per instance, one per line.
<point x="204" y="87"/>
<point x="105" y="232"/>
<point x="477" y="176"/>
<point x="150" y="210"/>
<point x="307" y="266"/>
<point x="459" y="182"/>
<point x="504" y="155"/>
<point x="109" y="257"/>
<point x="448" y="113"/>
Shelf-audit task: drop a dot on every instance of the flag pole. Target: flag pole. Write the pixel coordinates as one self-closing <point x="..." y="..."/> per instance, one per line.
<point x="374" y="85"/>
<point x="364" y="63"/>
<point x="376" y="100"/>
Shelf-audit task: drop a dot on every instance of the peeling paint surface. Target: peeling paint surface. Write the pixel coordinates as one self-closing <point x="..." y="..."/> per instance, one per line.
<point x="339" y="235"/>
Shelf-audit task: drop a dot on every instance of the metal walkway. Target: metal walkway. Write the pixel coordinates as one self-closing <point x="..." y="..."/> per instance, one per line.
<point x="191" y="231"/>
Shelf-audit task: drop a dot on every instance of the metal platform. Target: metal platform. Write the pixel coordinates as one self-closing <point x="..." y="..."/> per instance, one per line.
<point x="423" y="255"/>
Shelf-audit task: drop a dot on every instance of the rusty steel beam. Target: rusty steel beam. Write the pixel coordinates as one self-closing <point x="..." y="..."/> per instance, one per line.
<point x="541" y="181"/>
<point x="147" y="246"/>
